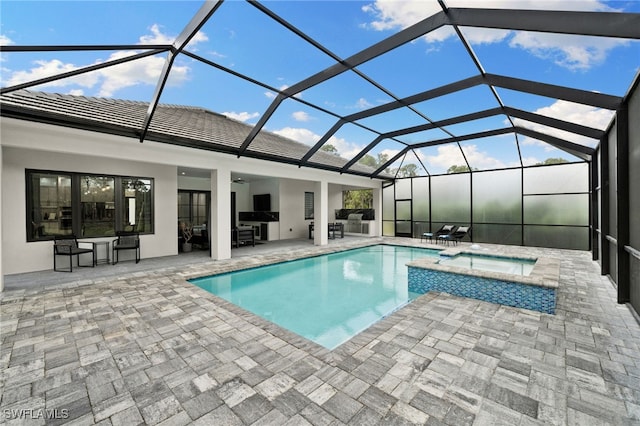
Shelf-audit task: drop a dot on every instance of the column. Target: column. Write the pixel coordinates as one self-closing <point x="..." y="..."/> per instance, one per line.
<point x="377" y="206"/>
<point x="220" y="226"/>
<point x="321" y="214"/>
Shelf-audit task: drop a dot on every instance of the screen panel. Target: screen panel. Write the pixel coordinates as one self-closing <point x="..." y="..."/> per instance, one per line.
<point x="497" y="196"/>
<point x="403" y="189"/>
<point x="497" y="234"/>
<point x="388" y="203"/>
<point x="558" y="209"/>
<point x="388" y="228"/>
<point x="451" y="198"/>
<point x="556" y="179"/>
<point x="566" y="237"/>
<point x="421" y="199"/>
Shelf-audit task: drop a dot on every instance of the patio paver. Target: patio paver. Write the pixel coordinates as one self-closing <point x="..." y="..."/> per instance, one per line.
<point x="148" y="347"/>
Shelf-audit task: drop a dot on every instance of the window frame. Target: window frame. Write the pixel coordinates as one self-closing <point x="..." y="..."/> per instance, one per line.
<point x="76" y="202"/>
<point x="309" y="210"/>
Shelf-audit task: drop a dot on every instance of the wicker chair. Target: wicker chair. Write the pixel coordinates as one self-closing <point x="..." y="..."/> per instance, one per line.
<point x="68" y="245"/>
<point x="125" y="241"/>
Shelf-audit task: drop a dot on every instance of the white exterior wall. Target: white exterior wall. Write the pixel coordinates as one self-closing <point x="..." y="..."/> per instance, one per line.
<point x="23" y="256"/>
<point x="28" y="145"/>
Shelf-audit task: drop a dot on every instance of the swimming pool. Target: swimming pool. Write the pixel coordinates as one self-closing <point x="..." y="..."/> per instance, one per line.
<point x="327" y="299"/>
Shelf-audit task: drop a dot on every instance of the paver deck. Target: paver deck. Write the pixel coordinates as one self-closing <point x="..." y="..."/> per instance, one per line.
<point x="148" y="347"/>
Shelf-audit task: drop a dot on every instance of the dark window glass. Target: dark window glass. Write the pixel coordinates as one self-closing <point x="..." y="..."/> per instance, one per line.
<point x="49" y="205"/>
<point x="136" y="205"/>
<point x="97" y="203"/>
<point x="60" y="203"/>
<point x="308" y="205"/>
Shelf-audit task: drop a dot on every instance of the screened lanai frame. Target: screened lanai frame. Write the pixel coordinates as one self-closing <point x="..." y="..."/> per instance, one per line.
<point x="590" y="24"/>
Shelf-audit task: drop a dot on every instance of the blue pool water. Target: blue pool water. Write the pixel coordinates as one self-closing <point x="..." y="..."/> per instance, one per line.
<point x="327" y="299"/>
<point x="482" y="262"/>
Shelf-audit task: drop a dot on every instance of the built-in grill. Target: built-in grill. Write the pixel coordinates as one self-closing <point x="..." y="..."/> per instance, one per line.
<point x="354" y="222"/>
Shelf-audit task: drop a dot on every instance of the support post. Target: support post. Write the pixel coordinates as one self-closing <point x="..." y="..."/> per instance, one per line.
<point x="622" y="198"/>
<point x="220" y="226"/>
<point x="321" y="214"/>
<point x="605" y="216"/>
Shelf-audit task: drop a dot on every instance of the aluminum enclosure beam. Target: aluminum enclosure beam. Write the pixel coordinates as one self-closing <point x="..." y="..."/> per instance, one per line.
<point x="542" y="89"/>
<point x="602" y="24"/>
<point x="189" y="31"/>
<point x="78" y="71"/>
<point x="585" y="97"/>
<point x="408" y="34"/>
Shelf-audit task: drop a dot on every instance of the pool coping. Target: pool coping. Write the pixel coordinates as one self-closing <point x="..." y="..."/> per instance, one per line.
<point x="545" y="273"/>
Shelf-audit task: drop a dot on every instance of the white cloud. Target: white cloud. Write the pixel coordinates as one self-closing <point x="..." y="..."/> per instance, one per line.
<point x="156" y="36"/>
<point x="568" y="51"/>
<point x="241" y="116"/>
<point x="44" y="69"/>
<point x="586" y="115"/>
<point x="272" y="95"/>
<point x="345" y="148"/>
<point x="298" y="134"/>
<point x="5" y="41"/>
<point x="482" y="160"/>
<point x="445" y="157"/>
<point x="572" y="52"/>
<point x="301" y="116"/>
<point x="362" y="103"/>
<point x="107" y="81"/>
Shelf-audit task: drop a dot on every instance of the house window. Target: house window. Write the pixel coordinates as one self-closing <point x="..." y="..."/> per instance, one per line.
<point x="308" y="205"/>
<point x="137" y="205"/>
<point x="61" y="203"/>
<point x="97" y="203"/>
<point x="49" y="199"/>
<point x="193" y="207"/>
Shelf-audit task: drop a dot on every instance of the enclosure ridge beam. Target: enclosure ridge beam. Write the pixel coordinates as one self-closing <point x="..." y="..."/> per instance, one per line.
<point x="580" y="151"/>
<point x="554" y="122"/>
<point x="602" y="24"/>
<point x="585" y="97"/>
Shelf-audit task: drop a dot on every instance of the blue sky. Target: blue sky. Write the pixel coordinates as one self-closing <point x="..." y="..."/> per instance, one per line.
<point x="243" y="39"/>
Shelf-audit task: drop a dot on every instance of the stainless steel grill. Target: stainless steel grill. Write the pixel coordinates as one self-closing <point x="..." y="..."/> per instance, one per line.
<point x="354" y="222"/>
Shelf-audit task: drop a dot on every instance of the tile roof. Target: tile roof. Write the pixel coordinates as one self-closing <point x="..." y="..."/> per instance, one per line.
<point x="175" y="124"/>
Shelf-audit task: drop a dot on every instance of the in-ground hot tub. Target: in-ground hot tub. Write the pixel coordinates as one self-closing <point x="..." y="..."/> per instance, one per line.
<point x="535" y="291"/>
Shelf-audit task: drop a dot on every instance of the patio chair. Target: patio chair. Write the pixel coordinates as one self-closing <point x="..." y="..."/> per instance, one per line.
<point x="459" y="234"/>
<point x="68" y="245"/>
<point x="126" y="241"/>
<point x="443" y="234"/>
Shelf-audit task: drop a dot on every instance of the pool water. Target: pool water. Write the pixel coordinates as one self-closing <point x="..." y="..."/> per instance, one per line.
<point x="481" y="262"/>
<point x="327" y="299"/>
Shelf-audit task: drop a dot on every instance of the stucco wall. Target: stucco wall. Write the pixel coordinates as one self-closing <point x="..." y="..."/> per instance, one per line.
<point x="23" y="256"/>
<point x="41" y="146"/>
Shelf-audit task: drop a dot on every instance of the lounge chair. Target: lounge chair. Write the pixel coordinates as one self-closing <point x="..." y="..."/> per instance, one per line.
<point x="459" y="234"/>
<point x="444" y="232"/>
